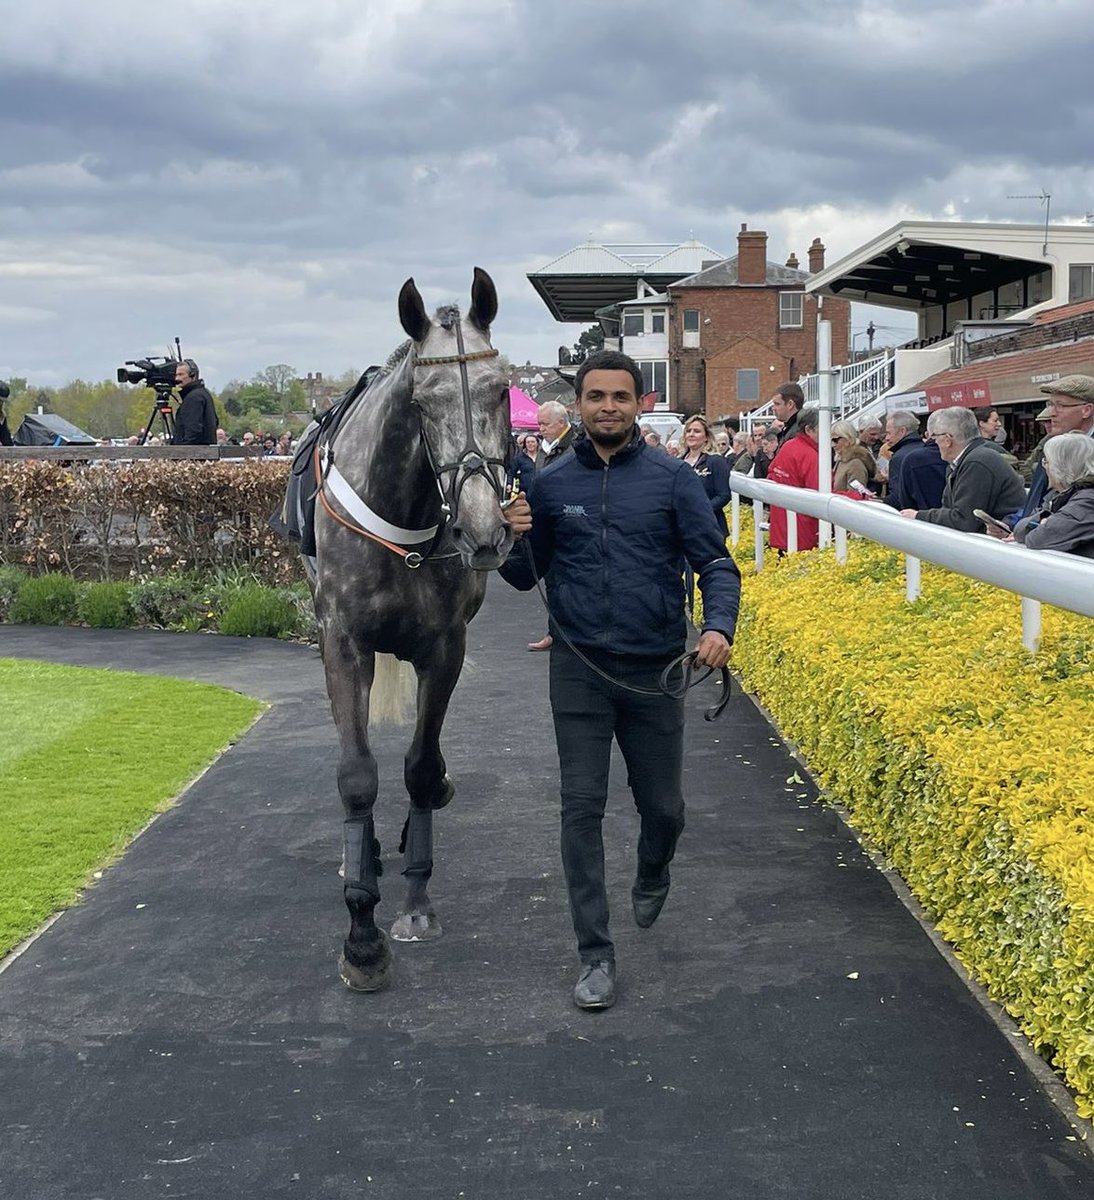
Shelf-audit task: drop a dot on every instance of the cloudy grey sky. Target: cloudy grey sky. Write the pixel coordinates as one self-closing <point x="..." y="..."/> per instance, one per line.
<point x="260" y="177"/>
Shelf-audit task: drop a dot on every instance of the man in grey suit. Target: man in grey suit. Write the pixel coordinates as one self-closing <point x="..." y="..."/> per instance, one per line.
<point x="978" y="476"/>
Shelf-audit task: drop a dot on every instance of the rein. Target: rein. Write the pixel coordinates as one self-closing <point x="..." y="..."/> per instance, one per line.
<point x="689" y="678"/>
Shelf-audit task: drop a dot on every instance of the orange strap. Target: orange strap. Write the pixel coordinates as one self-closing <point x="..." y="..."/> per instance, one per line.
<point x="349" y="524"/>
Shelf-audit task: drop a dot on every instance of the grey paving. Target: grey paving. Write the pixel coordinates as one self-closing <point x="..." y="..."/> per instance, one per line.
<point x="785" y="1030"/>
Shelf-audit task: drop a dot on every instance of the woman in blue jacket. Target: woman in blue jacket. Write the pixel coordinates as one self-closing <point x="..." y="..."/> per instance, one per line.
<point x="523" y="467"/>
<point x="711" y="467"/>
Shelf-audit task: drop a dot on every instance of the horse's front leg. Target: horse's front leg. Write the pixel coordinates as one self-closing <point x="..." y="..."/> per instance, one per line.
<point x="365" y="964"/>
<point x="428" y="784"/>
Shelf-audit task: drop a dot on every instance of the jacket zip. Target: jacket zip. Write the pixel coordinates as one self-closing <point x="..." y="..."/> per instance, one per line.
<point x="604" y="541"/>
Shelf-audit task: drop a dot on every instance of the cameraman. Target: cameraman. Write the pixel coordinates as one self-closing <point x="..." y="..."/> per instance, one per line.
<point x="5" y="432"/>
<point x="196" y="419"/>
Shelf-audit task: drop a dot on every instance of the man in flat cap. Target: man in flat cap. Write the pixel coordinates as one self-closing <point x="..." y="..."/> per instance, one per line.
<point x="1069" y="408"/>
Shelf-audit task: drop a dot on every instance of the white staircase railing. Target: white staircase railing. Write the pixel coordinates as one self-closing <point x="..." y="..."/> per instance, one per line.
<point x="854" y="386"/>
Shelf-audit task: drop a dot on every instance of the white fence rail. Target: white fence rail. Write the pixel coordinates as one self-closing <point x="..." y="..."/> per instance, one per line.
<point x="1038" y="576"/>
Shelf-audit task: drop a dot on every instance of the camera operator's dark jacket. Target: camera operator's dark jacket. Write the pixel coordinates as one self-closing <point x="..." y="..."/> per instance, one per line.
<point x="196" y="419"/>
<point x="610" y="541"/>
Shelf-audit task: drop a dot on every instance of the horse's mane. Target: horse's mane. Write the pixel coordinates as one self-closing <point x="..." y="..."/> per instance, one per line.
<point x="395" y="358"/>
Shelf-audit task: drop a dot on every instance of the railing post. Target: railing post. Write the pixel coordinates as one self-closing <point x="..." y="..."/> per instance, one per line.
<point x="825" y="381"/>
<point x="1031" y="624"/>
<point x="758" y="537"/>
<point x="734" y="518"/>
<point x="911" y="578"/>
<point x="841" y="545"/>
<point x="791" y="531"/>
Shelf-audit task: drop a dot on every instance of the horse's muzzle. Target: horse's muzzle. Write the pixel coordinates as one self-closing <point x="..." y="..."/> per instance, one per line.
<point x="484" y="557"/>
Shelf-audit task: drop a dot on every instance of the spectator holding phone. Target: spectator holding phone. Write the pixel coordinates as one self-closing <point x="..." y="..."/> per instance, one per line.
<point x="1066" y="520"/>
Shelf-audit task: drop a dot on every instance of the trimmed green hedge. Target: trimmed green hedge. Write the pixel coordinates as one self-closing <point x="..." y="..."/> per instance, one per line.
<point x="966" y="760"/>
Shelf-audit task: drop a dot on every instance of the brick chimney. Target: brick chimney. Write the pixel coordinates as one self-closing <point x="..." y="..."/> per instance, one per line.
<point x="816" y="256"/>
<point x="751" y="256"/>
<point x="792" y="261"/>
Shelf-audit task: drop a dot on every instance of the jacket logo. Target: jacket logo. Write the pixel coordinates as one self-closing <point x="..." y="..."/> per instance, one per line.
<point x="574" y="510"/>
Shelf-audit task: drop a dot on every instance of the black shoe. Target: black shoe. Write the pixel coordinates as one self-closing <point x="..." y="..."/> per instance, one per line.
<point x="595" y="987"/>
<point x="648" y="896"/>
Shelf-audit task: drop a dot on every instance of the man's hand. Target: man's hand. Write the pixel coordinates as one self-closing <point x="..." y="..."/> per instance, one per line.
<point x="519" y="515"/>
<point x="909" y="512"/>
<point x="713" y="650"/>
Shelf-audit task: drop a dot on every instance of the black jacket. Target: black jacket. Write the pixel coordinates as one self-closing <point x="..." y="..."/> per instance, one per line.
<point x="523" y="468"/>
<point x="196" y="419"/>
<point x="611" y="539"/>
<point x="789" y="430"/>
<point x="564" y="443"/>
<point x="917" y="474"/>
<point x="713" y="472"/>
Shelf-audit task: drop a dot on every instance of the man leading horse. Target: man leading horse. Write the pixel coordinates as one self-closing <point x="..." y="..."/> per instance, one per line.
<point x="609" y="528"/>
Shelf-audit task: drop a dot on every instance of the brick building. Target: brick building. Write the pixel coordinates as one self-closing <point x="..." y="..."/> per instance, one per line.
<point x="739" y="328"/>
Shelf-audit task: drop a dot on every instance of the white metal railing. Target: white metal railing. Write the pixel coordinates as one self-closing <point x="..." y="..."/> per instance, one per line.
<point x="854" y="386"/>
<point x="1038" y="576"/>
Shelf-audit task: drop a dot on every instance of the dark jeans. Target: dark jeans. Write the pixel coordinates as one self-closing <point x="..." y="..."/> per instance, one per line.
<point x="588" y="712"/>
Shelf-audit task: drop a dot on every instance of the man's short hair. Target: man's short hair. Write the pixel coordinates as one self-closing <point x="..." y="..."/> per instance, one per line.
<point x="191" y="368"/>
<point x="770" y="436"/>
<point x="868" y="423"/>
<point x="808" y="418"/>
<point x="609" y="360"/>
<point x="958" y="422"/>
<point x="553" y="410"/>
<point x="792" y="392"/>
<point x="984" y="414"/>
<point x="903" y="419"/>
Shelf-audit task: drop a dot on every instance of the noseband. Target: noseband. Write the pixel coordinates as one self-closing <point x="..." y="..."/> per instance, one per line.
<point x="472" y="460"/>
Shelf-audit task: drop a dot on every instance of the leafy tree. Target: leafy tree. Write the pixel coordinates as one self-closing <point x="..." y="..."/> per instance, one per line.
<point x="588" y="341"/>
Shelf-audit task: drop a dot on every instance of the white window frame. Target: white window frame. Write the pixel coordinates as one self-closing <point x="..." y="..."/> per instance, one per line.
<point x="1086" y="289"/>
<point x="787" y="321"/>
<point x="690" y="338"/>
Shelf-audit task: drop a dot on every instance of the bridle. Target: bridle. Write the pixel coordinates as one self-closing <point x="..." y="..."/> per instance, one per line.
<point x="471" y="460"/>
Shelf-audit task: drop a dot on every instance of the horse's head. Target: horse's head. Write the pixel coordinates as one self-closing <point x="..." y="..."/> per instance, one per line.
<point x="462" y="397"/>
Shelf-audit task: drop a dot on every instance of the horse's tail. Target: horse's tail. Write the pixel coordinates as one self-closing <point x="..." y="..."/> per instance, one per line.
<point x="393" y="698"/>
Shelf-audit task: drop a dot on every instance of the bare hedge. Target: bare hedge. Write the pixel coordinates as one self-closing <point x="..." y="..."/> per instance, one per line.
<point x="142" y="518"/>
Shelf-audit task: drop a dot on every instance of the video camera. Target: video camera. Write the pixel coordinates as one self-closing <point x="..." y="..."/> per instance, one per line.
<point x="158" y="373"/>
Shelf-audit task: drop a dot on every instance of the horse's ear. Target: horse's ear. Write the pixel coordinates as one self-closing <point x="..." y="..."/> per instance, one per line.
<point x="412" y="314"/>
<point x="484" y="300"/>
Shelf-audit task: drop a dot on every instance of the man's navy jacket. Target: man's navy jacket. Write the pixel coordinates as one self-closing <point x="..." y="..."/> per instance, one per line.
<point x="611" y="540"/>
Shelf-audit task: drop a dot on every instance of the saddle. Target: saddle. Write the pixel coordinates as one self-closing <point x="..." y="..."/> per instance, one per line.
<point x="296" y="518"/>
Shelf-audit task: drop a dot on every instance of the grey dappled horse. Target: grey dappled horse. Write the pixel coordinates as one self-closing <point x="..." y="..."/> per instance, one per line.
<point x="425" y="443"/>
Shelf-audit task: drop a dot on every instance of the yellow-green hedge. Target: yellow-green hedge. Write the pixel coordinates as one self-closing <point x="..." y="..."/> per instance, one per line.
<point x="968" y="761"/>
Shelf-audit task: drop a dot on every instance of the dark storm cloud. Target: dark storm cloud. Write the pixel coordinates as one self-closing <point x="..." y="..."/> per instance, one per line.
<point x="303" y="159"/>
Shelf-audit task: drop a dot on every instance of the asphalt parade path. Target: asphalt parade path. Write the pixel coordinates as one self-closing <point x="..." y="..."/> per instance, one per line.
<point x="787" y="1029"/>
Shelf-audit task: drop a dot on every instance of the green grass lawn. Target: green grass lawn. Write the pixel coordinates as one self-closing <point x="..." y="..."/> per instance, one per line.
<point x="81" y="773"/>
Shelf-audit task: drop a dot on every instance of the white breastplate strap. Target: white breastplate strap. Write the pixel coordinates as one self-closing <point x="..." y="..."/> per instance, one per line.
<point x="340" y="489"/>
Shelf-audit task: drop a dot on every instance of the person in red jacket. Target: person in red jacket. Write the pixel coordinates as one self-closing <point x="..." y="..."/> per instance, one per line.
<point x="796" y="464"/>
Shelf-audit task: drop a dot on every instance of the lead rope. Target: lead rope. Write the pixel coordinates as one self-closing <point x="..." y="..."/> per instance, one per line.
<point x="689" y="678"/>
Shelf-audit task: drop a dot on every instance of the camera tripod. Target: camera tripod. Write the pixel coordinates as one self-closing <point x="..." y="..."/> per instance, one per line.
<point x="161" y="407"/>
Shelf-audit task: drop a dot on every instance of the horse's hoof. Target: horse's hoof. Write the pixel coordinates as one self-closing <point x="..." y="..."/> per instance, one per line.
<point x="416" y="927"/>
<point x="448" y="790"/>
<point x="368" y="977"/>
